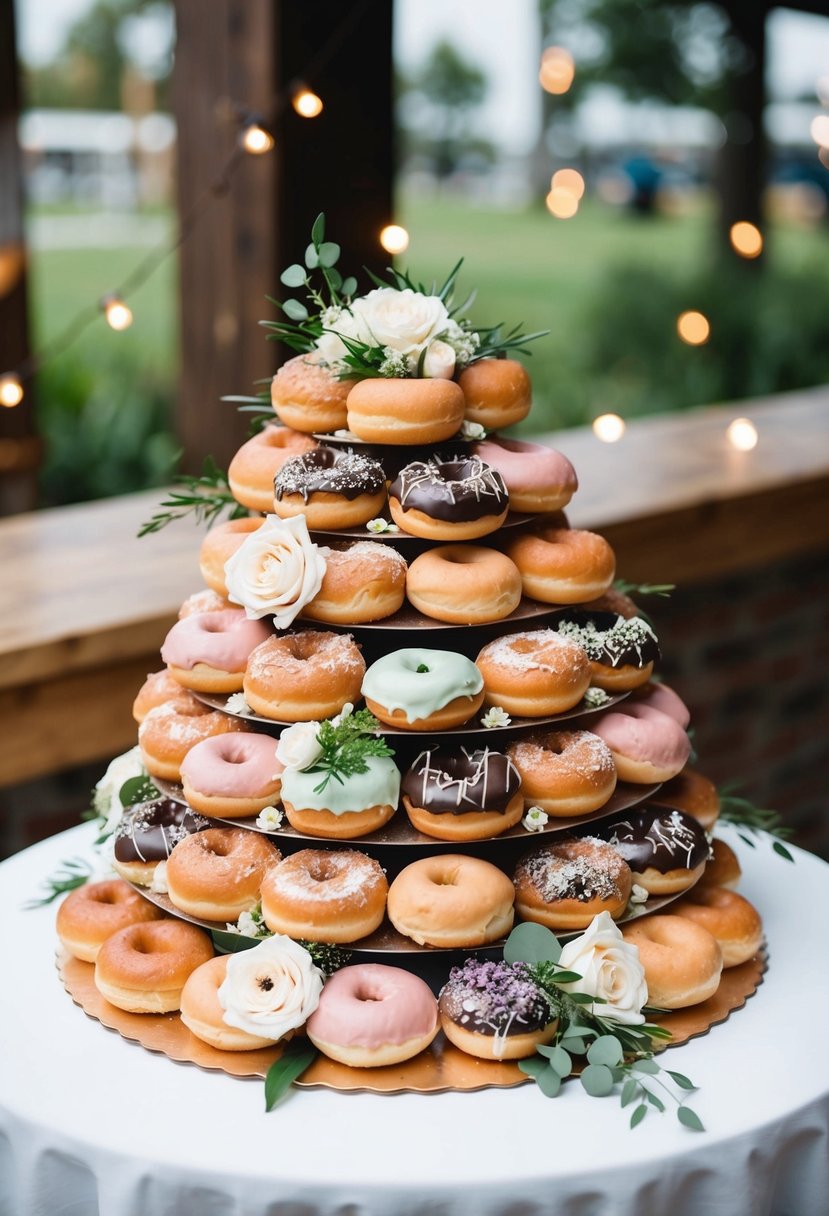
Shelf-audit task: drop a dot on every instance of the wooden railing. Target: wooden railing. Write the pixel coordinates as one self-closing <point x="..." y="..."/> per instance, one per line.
<point x="85" y="605"/>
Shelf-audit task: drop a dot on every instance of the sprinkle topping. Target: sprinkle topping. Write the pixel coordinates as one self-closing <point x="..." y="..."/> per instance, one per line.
<point x="495" y="999"/>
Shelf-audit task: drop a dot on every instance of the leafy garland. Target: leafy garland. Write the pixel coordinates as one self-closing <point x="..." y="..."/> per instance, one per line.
<point x="206" y="497"/>
<point x="346" y="745"/>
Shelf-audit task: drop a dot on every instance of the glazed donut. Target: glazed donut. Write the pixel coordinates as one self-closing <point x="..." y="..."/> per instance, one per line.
<point x="325" y="896"/>
<point x="448" y="499"/>
<point x="308" y="397"/>
<point x="405" y="411"/>
<point x="682" y="961"/>
<point x="332" y="489"/>
<point x="565" y="772"/>
<point x="159" y="688"/>
<point x="563" y="565"/>
<point x="663" y="698"/>
<point x="534" y="674"/>
<point x="205" y="600"/>
<point x="564" y="885"/>
<point x="202" y="1014"/>
<point x="451" y="900"/>
<point x="143" y="968"/>
<point x="497" y="392"/>
<point x="371" y="1015"/>
<point x="216" y="874"/>
<point x="147" y="834"/>
<point x="695" y="795"/>
<point x="232" y="776"/>
<point x="723" y="869"/>
<point x="346" y="808"/>
<point x="495" y="1011"/>
<point x="539" y="479"/>
<point x="621" y="651"/>
<point x="92" y="913"/>
<point x="170" y="730"/>
<point x="302" y="677"/>
<point x="220" y="544"/>
<point x="666" y="849"/>
<point x="253" y="468"/>
<point x="729" y="918"/>
<point x="416" y="689"/>
<point x="647" y="745"/>
<point x="364" y="581"/>
<point x="465" y="795"/>
<point x="464" y="584"/>
<point x="209" y="651"/>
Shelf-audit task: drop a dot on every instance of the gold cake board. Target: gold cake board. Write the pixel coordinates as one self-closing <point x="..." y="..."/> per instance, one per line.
<point x="440" y="1068"/>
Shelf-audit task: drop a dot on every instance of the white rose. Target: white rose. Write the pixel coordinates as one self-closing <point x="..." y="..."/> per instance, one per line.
<point x="337" y="321"/>
<point x="404" y="320"/>
<point x="270" y="989"/>
<point x="439" y="363"/>
<point x="105" y="797"/>
<point x="610" y="968"/>
<point x="278" y="569"/>
<point x="298" y="746"/>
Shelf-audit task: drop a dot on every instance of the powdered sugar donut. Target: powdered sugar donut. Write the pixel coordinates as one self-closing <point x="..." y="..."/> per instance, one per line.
<point x="565" y="772"/>
<point x="233" y="776"/>
<point x="539" y="479"/>
<point x="564" y="885"/>
<point x="304" y="677"/>
<point x="320" y="895"/>
<point x="170" y="730"/>
<point x="209" y="651"/>
<point x="364" y="581"/>
<point x="534" y="674"/>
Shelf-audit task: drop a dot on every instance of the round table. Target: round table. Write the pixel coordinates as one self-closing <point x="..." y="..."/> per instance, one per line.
<point x="90" y="1123"/>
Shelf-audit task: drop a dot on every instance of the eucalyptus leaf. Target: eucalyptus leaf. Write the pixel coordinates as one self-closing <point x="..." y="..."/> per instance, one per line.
<point x="654" y="1100"/>
<point x="638" y="1115"/>
<point x="318" y="229"/>
<point x="335" y="279"/>
<point x="648" y="1066"/>
<point x="295" y="309"/>
<point x="293" y="276"/>
<point x="577" y="1046"/>
<point x="689" y="1118"/>
<point x="629" y="1091"/>
<point x="349" y="286"/>
<point x="605" y="1050"/>
<point x="530" y="943"/>
<point x="328" y="253"/>
<point x="576" y="1031"/>
<point x="559" y="1059"/>
<point x="311" y="257"/>
<point x="533" y="1066"/>
<point x="284" y="1071"/>
<point x="782" y="850"/>
<point x="549" y="1082"/>
<point x="681" y="1080"/>
<point x="597" y="1080"/>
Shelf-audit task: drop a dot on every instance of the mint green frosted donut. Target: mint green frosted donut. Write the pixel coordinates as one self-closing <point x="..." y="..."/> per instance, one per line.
<point x="395" y="682"/>
<point x="379" y="785"/>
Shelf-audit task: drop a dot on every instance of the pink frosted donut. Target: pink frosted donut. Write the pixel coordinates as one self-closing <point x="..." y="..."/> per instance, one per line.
<point x="232" y="776"/>
<point x="646" y="744"/>
<point x="539" y="479"/>
<point x="209" y="651"/>
<point x="666" y="701"/>
<point x="370" y="1015"/>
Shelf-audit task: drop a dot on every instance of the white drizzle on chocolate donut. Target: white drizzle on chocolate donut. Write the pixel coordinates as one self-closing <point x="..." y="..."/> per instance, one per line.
<point x="657" y="836"/>
<point x="452" y="490"/>
<point x="149" y="831"/>
<point x="474" y="781"/>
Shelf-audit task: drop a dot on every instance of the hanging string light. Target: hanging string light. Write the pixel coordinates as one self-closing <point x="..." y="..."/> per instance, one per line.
<point x="609" y="428"/>
<point x="742" y="434"/>
<point x="693" y="327"/>
<point x="118" y="314"/>
<point x="306" y="103"/>
<point x="11" y="390"/>
<point x="746" y="239"/>
<point x="255" y="138"/>
<point x="394" y="238"/>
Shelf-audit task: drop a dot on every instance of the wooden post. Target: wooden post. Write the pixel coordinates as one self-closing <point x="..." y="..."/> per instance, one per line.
<point x="19" y="446"/>
<point x="247" y="54"/>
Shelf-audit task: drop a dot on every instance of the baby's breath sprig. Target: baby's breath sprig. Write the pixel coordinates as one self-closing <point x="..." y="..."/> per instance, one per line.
<point x="206" y="497"/>
<point x="743" y="814"/>
<point x="346" y="745"/>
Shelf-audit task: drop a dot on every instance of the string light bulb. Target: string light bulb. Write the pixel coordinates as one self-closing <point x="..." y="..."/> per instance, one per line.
<point x="693" y="327"/>
<point x="11" y="390"/>
<point x="306" y="103"/>
<point x="609" y="428"/>
<point x="569" y="180"/>
<point x="742" y="434"/>
<point x="746" y="239"/>
<point x="819" y="130"/>
<point x="118" y="314"/>
<point x="255" y="139"/>
<point x="561" y="203"/>
<point x="394" y="238"/>
<point x="557" y="70"/>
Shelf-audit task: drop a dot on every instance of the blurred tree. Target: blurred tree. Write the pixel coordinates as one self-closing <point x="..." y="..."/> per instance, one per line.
<point x="438" y="104"/>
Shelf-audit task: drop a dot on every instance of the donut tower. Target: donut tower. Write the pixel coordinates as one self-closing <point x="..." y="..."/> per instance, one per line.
<point x="401" y="557"/>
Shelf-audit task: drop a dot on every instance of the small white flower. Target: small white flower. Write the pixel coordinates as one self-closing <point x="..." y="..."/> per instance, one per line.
<point x="236" y="704"/>
<point x="270" y="819"/>
<point x="535" y="819"/>
<point x="595" y="697"/>
<point x="346" y="712"/>
<point x="159" y="879"/>
<point x="495" y="717"/>
<point x="395" y="366"/>
<point x="638" y="895"/>
<point x="472" y="430"/>
<point x="381" y="525"/>
<point x="298" y="745"/>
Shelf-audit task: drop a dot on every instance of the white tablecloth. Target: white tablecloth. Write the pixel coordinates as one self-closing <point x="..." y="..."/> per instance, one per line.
<point x="90" y="1123"/>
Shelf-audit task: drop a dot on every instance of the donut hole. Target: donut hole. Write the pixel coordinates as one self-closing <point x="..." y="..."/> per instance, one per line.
<point x="218" y="847"/>
<point x="446" y="878"/>
<point x="104" y="897"/>
<point x="367" y="994"/>
<point x="321" y="869"/>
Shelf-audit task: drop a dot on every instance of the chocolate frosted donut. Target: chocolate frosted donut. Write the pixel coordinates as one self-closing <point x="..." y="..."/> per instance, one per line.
<point x="449" y="499"/>
<point x="148" y="833"/>
<point x="332" y="489"/>
<point x="622" y="651"/>
<point x="465" y="795"/>
<point x="495" y="1010"/>
<point x="665" y="848"/>
<point x="564" y="885"/>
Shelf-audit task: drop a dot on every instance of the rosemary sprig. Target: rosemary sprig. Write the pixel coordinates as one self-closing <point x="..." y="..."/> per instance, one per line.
<point x="73" y="873"/>
<point x="743" y="814"/>
<point x="661" y="589"/>
<point x="346" y="746"/>
<point x="206" y="497"/>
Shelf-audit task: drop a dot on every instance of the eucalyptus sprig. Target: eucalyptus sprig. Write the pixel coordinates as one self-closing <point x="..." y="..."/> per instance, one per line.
<point x="206" y="497"/>
<point x="346" y="745"/>
<point x="619" y="1058"/>
<point x="743" y="814"/>
<point x="73" y="873"/>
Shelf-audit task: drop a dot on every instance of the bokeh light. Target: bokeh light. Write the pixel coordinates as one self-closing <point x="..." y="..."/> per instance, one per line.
<point x="693" y="327"/>
<point x="306" y="103"/>
<point x="746" y="239"/>
<point x="256" y="140"/>
<point x="11" y="390"/>
<point x="822" y="89"/>
<point x="394" y="238"/>
<point x="569" y="180"/>
<point x="819" y="130"/>
<point x="562" y="204"/>
<point x="118" y="314"/>
<point x="609" y="428"/>
<point x="742" y="434"/>
<point x="557" y="70"/>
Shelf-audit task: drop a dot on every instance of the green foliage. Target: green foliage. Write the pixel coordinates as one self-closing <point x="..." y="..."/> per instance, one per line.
<point x="297" y="1055"/>
<point x="750" y="818"/>
<point x="73" y="873"/>
<point x="437" y="105"/>
<point x="206" y="497"/>
<point x="346" y="746"/>
<point x="327" y="957"/>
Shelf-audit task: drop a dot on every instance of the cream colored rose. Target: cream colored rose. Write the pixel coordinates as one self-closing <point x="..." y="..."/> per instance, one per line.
<point x="270" y="989"/>
<point x="298" y="746"/>
<point x="439" y="363"/>
<point x="610" y="968"/>
<point x="106" y="795"/>
<point x="277" y="570"/>
<point x="404" y="320"/>
<point x="336" y="322"/>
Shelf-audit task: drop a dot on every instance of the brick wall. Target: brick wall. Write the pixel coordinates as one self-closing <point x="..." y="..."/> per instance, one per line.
<point x="749" y="654"/>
